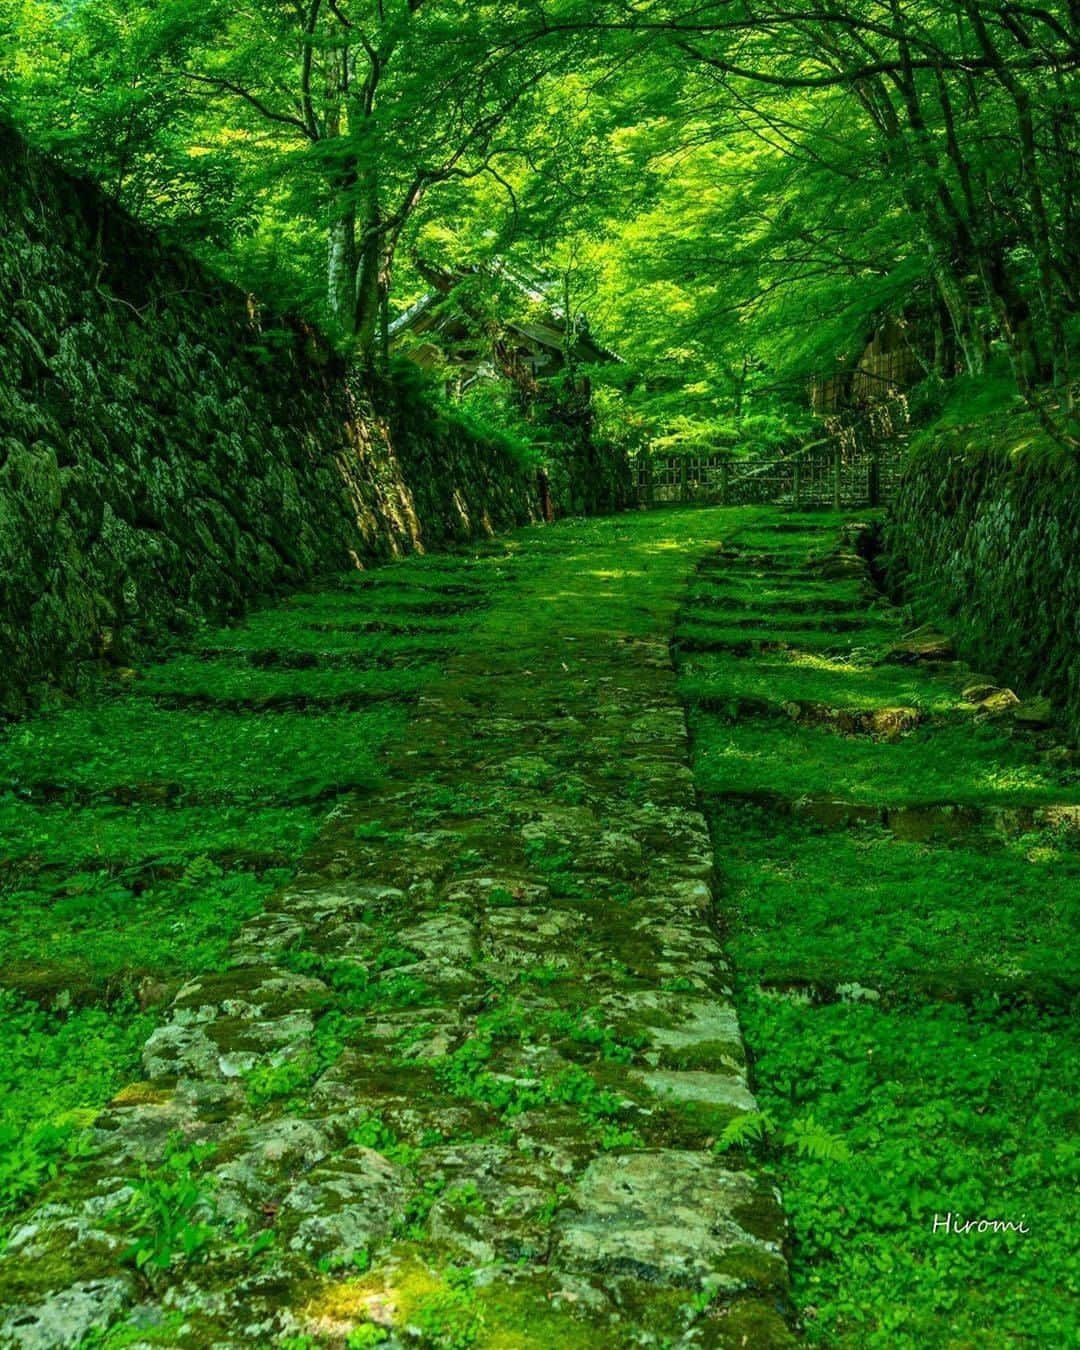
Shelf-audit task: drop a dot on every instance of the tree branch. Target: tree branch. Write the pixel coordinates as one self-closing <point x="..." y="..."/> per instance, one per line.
<point x="271" y="115"/>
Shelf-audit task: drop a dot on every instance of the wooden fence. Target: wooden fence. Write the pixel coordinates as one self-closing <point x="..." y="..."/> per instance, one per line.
<point x="846" y="469"/>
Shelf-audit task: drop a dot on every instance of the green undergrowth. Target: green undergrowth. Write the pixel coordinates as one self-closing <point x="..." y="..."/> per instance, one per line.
<point x="906" y="922"/>
<point x="280" y="641"/>
<point x="141" y="827"/>
<point x="168" y="927"/>
<point x="945" y="1110"/>
<point x="734" y="593"/>
<point x="910" y="1003"/>
<point x="967" y="763"/>
<point x="980" y="417"/>
<point x="55" y="1071"/>
<point x="142" y="835"/>
<point x="120" y="743"/>
<point x="741" y="632"/>
<point x="844" y="681"/>
<point x="237" y="681"/>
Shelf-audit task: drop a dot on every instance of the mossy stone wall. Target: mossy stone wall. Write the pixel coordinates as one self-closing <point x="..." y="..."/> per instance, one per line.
<point x="168" y="450"/>
<point x="988" y="543"/>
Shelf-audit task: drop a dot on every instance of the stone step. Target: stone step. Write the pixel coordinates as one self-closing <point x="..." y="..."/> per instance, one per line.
<point x="919" y="821"/>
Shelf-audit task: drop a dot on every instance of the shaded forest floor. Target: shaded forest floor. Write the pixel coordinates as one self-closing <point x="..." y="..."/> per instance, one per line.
<point x="444" y="809"/>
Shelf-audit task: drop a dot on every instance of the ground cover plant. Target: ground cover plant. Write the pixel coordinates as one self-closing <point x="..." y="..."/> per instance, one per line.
<point x="908" y="921"/>
<point x="140" y="828"/>
<point x="967" y="764"/>
<point x="121" y="745"/>
<point x="747" y="633"/>
<point x="908" y="999"/>
<point x="844" y="681"/>
<point x="233" y="683"/>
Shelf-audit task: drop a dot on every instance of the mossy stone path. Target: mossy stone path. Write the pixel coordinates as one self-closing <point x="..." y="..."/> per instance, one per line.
<point x="457" y="1082"/>
<point x="439" y="1045"/>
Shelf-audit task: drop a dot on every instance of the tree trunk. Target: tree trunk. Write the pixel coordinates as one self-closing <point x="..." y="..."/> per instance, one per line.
<point x="341" y="271"/>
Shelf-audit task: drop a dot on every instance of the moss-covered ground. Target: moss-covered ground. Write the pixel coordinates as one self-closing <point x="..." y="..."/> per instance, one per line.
<point x="908" y="995"/>
<point x="140" y="828"/>
<point x="437" y="1073"/>
<point x="441" y="809"/>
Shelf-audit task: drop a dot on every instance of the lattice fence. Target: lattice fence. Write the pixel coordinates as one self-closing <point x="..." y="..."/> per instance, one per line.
<point x="848" y="468"/>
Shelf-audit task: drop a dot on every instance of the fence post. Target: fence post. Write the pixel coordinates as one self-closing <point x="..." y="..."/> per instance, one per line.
<point x="873" y="478"/>
<point x="796" y="485"/>
<point x="645" y="475"/>
<point x="682" y="479"/>
<point x="836" y="477"/>
<point x="724" y="469"/>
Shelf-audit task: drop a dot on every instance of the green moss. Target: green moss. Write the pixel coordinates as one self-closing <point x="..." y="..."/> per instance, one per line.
<point x="721" y="1056"/>
<point x="908" y="920"/>
<point x="841" y="682"/>
<point x="56" y="1071"/>
<point x="963" y="764"/>
<point x="124" y="744"/>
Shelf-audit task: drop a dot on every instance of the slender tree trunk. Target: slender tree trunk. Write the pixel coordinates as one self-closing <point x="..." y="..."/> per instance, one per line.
<point x="341" y="270"/>
<point x="368" y="298"/>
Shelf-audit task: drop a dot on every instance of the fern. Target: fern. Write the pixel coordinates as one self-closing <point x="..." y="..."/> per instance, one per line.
<point x="811" y="1140"/>
<point x="744" y="1130"/>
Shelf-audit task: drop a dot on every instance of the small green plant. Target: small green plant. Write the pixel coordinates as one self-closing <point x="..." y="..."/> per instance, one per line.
<point x="466" y="1197"/>
<point x="805" y="1135"/>
<point x="583" y="1029"/>
<point x="170" y="1215"/>
<point x="543" y="974"/>
<point x="271" y="1082"/>
<point x="413" y="1222"/>
<point x="376" y="1134"/>
<point x="615" y="1137"/>
<point x="545" y="1215"/>
<point x="570" y="790"/>
<point x="554" y="862"/>
<point x="451" y="1317"/>
<point x="357" y="1262"/>
<point x="369" y="1334"/>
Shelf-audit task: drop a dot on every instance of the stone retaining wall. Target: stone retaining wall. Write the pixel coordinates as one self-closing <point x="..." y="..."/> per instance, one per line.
<point x="988" y="544"/>
<point x="168" y="449"/>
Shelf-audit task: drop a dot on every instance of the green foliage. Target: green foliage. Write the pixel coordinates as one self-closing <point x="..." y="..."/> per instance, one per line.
<point x="931" y="764"/>
<point x="466" y="1072"/>
<point x="944" y="1110"/>
<point x="170" y="1215"/>
<point x="360" y="986"/>
<point x="273" y="1082"/>
<point x="451" y="1316"/>
<point x="55" y="1071"/>
<point x="122" y="744"/>
<point x="105" y="928"/>
<point x="908" y="1001"/>
<point x="816" y="680"/>
<point x="360" y="1338"/>
<point x="555" y="865"/>
<point x="734" y="202"/>
<point x="769" y="432"/>
<point x="135" y="896"/>
<point x="913" y="898"/>
<point x="585" y="1029"/>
